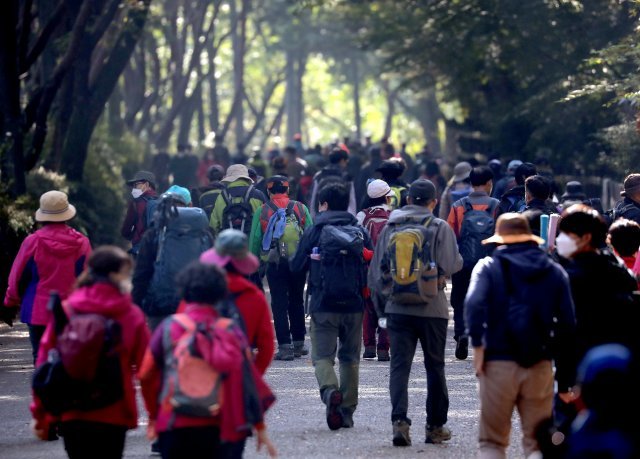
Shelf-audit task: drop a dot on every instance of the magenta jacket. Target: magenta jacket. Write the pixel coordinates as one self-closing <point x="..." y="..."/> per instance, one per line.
<point x="49" y="259"/>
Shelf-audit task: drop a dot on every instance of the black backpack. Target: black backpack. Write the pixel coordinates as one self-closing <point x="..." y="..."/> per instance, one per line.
<point x="477" y="225"/>
<point x="237" y="214"/>
<point x="208" y="199"/>
<point x="342" y="266"/>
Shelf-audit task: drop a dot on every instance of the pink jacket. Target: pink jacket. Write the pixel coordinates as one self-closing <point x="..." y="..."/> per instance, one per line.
<point x="49" y="259"/>
<point x="104" y="298"/>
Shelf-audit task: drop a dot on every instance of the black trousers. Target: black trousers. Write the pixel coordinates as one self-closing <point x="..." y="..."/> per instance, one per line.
<point x="190" y="442"/>
<point x="84" y="439"/>
<point x="35" y="335"/>
<point x="459" y="286"/>
<point x="287" y="302"/>
<point x="404" y="333"/>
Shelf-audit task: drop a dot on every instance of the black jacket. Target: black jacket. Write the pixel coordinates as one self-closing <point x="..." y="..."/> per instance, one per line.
<point x="534" y="210"/>
<point x="601" y="287"/>
<point x="627" y="208"/>
<point x="536" y="277"/>
<point x="510" y="199"/>
<point x="311" y="239"/>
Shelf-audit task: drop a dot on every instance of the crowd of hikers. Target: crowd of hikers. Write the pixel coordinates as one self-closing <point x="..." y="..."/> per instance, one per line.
<point x="364" y="240"/>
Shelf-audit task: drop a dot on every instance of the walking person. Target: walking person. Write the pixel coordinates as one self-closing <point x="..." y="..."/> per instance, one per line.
<point x="140" y="210"/>
<point x="472" y="219"/>
<point x="104" y="290"/>
<point x="374" y="218"/>
<point x="183" y="363"/>
<point x="231" y="253"/>
<point x="49" y="259"/>
<point x="413" y="255"/>
<point x="519" y="316"/>
<point x="275" y="235"/>
<point x="333" y="173"/>
<point x="333" y="252"/>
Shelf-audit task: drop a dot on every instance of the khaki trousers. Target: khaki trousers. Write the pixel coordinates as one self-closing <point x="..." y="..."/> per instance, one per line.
<point x="503" y="386"/>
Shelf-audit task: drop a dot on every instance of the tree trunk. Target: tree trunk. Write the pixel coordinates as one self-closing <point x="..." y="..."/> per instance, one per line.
<point x="294" y="104"/>
<point x="430" y="115"/>
<point x="114" y="107"/>
<point x="62" y="115"/>
<point x="391" y="109"/>
<point x="239" y="39"/>
<point x="12" y="166"/>
<point x="356" y="98"/>
<point x="214" y="105"/>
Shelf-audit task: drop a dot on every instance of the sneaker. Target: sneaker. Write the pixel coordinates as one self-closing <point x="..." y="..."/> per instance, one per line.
<point x="462" y="348"/>
<point x="401" y="433"/>
<point x="383" y="356"/>
<point x="369" y="352"/>
<point x="299" y="350"/>
<point x="285" y="352"/>
<point x="437" y="434"/>
<point x="333" y="399"/>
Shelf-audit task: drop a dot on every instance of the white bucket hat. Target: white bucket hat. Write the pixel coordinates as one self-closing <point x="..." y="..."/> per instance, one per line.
<point x="55" y="207"/>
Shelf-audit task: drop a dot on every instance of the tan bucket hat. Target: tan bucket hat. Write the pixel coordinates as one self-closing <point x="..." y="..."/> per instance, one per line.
<point x="55" y="207"/>
<point x="235" y="172"/>
<point x="512" y="228"/>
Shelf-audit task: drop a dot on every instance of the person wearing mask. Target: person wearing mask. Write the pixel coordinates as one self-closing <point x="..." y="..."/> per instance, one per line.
<point x="598" y="278"/>
<point x="519" y="316"/>
<point x="423" y="318"/>
<point x="103" y="289"/>
<point x="139" y="214"/>
<point x="286" y="287"/>
<point x="49" y="259"/>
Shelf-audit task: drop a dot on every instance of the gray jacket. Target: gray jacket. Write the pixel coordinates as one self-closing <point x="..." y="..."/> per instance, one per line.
<point x="444" y="251"/>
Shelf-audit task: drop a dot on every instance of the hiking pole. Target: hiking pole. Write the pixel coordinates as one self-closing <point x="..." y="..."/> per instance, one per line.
<point x="306" y="298"/>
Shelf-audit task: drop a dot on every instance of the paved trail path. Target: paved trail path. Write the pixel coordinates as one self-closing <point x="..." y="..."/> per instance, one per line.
<point x="296" y="422"/>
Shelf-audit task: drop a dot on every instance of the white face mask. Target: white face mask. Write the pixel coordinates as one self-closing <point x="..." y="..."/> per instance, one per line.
<point x="565" y="245"/>
<point x="125" y="286"/>
<point x="136" y="193"/>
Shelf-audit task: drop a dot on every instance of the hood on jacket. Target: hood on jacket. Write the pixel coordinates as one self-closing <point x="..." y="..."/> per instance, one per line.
<point x="239" y="285"/>
<point x="100" y="298"/>
<point x="517" y="190"/>
<point x="60" y="240"/>
<point x="335" y="217"/>
<point x="526" y="260"/>
<point x="280" y="199"/>
<point x="409" y="211"/>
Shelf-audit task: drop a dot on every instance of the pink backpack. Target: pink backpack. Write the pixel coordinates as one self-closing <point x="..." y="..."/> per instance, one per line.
<point x="375" y="219"/>
<point x="196" y="365"/>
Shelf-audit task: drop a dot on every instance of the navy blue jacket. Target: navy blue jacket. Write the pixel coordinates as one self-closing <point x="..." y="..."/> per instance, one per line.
<point x="536" y="277"/>
<point x="309" y="240"/>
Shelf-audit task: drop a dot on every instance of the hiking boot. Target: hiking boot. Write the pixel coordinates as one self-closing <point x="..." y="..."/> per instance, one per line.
<point x="437" y="434"/>
<point x="462" y="348"/>
<point x="299" y="350"/>
<point x="347" y="419"/>
<point x="401" y="432"/>
<point x="383" y="356"/>
<point x="333" y="399"/>
<point x="285" y="352"/>
<point x="369" y="352"/>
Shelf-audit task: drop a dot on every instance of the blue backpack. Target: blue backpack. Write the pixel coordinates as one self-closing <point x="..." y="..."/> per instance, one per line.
<point x="181" y="240"/>
<point x="477" y="225"/>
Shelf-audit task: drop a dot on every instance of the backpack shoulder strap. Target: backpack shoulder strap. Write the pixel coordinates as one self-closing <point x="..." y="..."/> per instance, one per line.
<point x="186" y="322"/>
<point x="272" y="205"/>
<point x="466" y="203"/>
<point x="491" y="208"/>
<point x="225" y="195"/>
<point x="247" y="195"/>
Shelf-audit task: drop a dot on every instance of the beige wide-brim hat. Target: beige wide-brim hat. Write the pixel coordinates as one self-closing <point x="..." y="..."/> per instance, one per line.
<point x="55" y="207"/>
<point x="235" y="172"/>
<point x="512" y="228"/>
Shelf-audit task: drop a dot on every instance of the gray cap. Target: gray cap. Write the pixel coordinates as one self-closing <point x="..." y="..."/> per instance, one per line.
<point x="142" y="176"/>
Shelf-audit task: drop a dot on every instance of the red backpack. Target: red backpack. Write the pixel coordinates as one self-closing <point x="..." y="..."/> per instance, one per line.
<point x="375" y="219"/>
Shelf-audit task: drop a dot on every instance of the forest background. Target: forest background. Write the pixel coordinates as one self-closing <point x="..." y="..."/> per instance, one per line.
<point x="91" y="89"/>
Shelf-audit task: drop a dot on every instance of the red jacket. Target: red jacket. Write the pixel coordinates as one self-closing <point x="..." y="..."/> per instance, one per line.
<point x="49" y="259"/>
<point x="104" y="298"/>
<point x="256" y="315"/>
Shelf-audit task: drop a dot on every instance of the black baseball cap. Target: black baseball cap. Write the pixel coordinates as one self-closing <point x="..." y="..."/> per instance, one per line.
<point x="276" y="180"/>
<point x="422" y="190"/>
